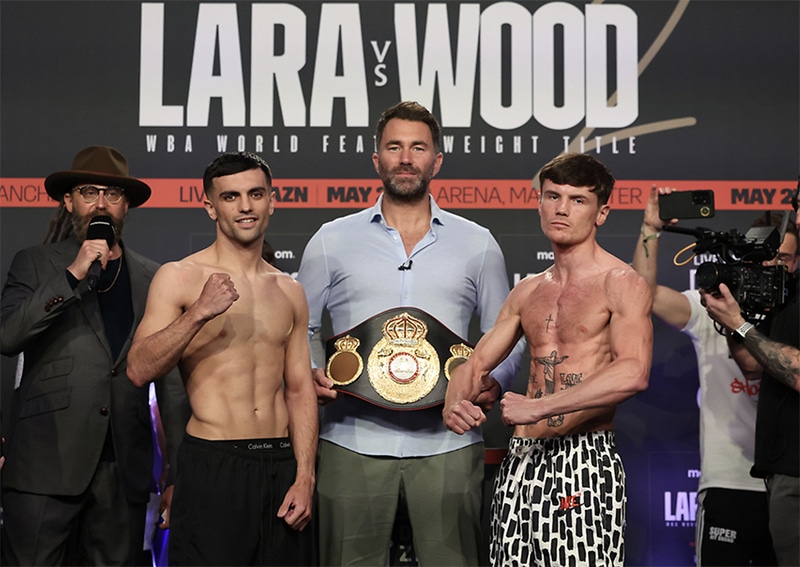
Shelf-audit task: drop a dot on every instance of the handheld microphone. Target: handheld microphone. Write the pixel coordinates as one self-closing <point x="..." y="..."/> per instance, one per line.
<point x="100" y="227"/>
<point x="405" y="266"/>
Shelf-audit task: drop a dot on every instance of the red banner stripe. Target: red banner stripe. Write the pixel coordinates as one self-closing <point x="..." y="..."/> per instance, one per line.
<point x="449" y="193"/>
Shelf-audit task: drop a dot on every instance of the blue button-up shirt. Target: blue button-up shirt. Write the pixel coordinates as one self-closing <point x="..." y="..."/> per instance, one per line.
<point x="350" y="267"/>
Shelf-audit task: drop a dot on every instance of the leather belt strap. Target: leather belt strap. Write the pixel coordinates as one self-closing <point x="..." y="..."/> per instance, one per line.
<point x="399" y="359"/>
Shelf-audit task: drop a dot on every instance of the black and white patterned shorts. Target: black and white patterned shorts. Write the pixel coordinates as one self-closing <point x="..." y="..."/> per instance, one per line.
<point x="559" y="501"/>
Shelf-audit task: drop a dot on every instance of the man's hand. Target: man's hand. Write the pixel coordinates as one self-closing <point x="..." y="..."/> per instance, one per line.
<point x="652" y="210"/>
<point x="517" y="409"/>
<point x="723" y="308"/>
<point x="217" y="296"/>
<point x="463" y="416"/>
<point x="166" y="506"/>
<point x="490" y="391"/>
<point x="89" y="251"/>
<point x="323" y="387"/>
<point x="295" y="509"/>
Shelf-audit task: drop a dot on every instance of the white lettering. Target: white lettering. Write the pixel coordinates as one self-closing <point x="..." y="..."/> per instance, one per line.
<point x="722" y="534"/>
<point x="626" y="107"/>
<point x="456" y="87"/>
<point x="282" y="71"/>
<point x="518" y="20"/>
<point x="152" y="111"/>
<point x="685" y="506"/>
<point x="380" y="54"/>
<point x="545" y="109"/>
<point x="150" y="142"/>
<point x="447" y="144"/>
<point x="217" y="34"/>
<point x="429" y="68"/>
<point x="340" y="22"/>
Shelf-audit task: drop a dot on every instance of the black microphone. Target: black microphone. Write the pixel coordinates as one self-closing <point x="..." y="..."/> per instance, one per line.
<point x="100" y="227"/>
<point x="405" y="266"/>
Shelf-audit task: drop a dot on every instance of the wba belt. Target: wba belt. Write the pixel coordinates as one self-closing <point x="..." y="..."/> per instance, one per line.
<point x="409" y="354"/>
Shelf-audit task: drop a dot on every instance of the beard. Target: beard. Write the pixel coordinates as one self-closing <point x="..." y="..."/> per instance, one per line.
<point x="80" y="225"/>
<point x="406" y="190"/>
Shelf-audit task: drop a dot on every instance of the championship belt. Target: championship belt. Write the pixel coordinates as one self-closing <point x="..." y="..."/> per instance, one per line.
<point x="409" y="355"/>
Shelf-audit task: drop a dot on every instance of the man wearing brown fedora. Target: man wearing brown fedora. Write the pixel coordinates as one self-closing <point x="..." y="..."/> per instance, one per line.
<point x="79" y="453"/>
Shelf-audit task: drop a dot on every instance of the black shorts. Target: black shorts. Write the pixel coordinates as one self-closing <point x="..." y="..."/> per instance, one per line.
<point x="733" y="528"/>
<point x="227" y="495"/>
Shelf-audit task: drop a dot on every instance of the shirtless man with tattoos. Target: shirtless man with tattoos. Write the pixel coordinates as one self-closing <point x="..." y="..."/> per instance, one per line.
<point x="560" y="493"/>
<point x="236" y="327"/>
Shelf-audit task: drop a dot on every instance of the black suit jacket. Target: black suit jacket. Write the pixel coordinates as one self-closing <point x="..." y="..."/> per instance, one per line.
<point x="71" y="387"/>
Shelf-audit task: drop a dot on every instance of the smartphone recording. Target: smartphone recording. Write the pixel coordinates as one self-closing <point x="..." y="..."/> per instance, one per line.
<point x="697" y="204"/>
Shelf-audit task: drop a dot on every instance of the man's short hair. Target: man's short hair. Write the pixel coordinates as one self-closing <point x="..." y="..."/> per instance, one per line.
<point x="579" y="170"/>
<point x="415" y="112"/>
<point x="774" y="218"/>
<point x="232" y="163"/>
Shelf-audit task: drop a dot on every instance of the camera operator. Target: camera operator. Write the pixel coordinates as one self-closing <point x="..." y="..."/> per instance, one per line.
<point x="772" y="351"/>
<point x="728" y="498"/>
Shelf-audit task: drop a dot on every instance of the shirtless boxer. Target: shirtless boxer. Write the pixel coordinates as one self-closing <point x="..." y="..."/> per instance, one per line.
<point x="559" y="496"/>
<point x="236" y="328"/>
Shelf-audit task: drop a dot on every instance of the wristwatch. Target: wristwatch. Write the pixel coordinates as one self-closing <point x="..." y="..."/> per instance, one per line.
<point x="741" y="332"/>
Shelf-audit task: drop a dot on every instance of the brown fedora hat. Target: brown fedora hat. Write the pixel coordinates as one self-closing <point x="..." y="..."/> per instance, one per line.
<point x="99" y="165"/>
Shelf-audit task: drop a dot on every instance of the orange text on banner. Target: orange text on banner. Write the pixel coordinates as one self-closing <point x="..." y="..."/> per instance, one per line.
<point x="449" y="193"/>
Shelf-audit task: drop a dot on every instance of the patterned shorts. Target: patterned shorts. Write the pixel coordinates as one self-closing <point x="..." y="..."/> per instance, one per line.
<point x="559" y="501"/>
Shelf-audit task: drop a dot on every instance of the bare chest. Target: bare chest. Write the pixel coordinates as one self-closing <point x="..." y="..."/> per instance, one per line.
<point x="567" y="315"/>
<point x="262" y="314"/>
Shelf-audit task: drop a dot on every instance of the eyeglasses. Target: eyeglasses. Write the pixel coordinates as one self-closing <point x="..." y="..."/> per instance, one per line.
<point x="90" y="193"/>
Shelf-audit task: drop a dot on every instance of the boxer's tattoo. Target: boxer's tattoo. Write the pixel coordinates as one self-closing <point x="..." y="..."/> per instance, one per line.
<point x="548" y="321"/>
<point x="571" y="379"/>
<point x="549" y="363"/>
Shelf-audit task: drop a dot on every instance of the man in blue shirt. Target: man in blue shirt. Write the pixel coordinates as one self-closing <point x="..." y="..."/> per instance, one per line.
<point x="403" y="252"/>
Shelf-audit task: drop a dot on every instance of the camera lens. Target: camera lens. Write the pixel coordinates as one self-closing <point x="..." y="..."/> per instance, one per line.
<point x="709" y="275"/>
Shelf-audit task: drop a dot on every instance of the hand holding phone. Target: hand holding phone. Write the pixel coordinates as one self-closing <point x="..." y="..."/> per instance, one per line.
<point x="697" y="204"/>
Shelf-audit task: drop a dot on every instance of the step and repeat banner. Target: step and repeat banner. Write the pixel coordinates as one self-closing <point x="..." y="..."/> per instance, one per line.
<point x="694" y="94"/>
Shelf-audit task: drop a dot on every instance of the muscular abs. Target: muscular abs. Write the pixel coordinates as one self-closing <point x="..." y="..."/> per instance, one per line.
<point x="567" y="336"/>
<point x="233" y="368"/>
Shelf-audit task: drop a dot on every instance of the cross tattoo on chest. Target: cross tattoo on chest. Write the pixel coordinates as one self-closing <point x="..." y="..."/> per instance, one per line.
<point x="548" y="321"/>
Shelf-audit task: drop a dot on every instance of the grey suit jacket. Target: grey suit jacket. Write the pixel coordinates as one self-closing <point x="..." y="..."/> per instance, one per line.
<point x="70" y="386"/>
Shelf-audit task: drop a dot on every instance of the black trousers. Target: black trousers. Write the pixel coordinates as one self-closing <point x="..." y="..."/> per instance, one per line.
<point x="98" y="527"/>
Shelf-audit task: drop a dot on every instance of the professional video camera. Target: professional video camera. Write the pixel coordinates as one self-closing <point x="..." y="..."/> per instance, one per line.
<point x="757" y="288"/>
